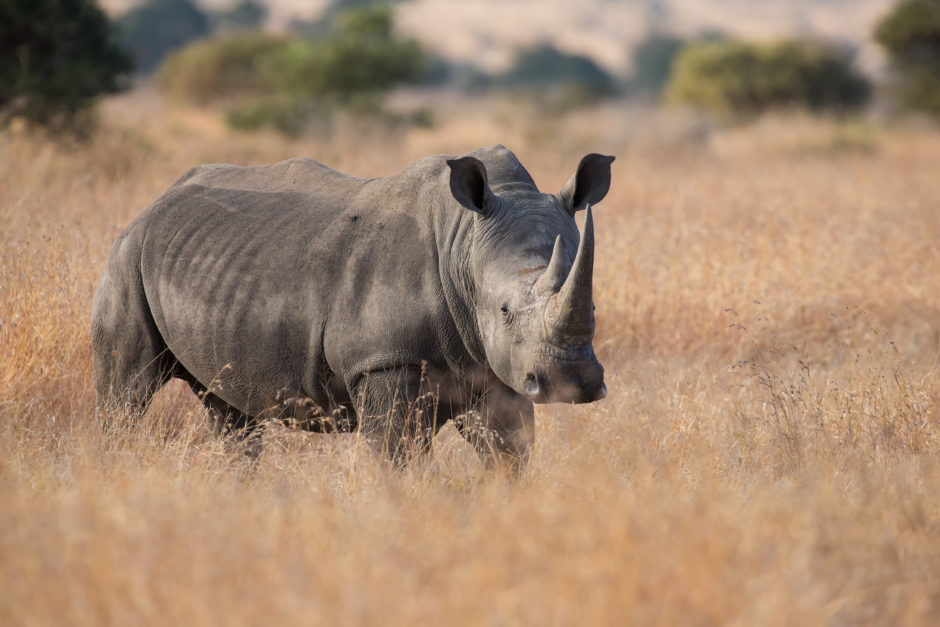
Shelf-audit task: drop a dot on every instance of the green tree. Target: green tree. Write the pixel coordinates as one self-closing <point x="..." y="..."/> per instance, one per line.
<point x="740" y="78"/>
<point x="153" y="29"/>
<point x="333" y="13"/>
<point x="56" y="57"/>
<point x="911" y="36"/>
<point x="544" y="65"/>
<point x="359" y="60"/>
<point x="559" y="79"/>
<point x="245" y="15"/>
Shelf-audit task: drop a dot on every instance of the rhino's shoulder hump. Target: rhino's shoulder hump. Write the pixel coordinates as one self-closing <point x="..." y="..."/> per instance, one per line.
<point x="426" y="168"/>
<point x="424" y="174"/>
<point x="503" y="167"/>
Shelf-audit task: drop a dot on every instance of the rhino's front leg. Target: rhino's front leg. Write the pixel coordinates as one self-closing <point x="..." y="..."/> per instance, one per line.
<point x="397" y="415"/>
<point x="501" y="428"/>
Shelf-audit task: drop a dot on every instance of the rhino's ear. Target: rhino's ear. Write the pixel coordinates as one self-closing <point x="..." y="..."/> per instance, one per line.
<point x="589" y="184"/>
<point x="469" y="186"/>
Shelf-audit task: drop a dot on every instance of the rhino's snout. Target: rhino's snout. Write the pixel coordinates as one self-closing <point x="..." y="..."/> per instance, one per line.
<point x="559" y="381"/>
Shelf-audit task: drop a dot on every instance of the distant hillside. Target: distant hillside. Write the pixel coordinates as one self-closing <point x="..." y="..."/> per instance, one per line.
<point x="486" y="32"/>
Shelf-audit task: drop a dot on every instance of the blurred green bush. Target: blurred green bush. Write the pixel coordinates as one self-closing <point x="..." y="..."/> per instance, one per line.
<point x="329" y="18"/>
<point x="739" y="78"/>
<point x="280" y="112"/>
<point x="911" y="36"/>
<point x="283" y="82"/>
<point x="223" y="68"/>
<point x="357" y="62"/>
<point x="56" y="57"/>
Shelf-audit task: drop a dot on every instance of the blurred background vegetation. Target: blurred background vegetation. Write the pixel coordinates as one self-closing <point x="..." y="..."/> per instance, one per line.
<point x="58" y="56"/>
<point x="911" y="37"/>
<point x="740" y="78"/>
<point x="284" y="82"/>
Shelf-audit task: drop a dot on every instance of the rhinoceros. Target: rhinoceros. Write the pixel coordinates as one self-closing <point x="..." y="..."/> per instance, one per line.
<point x="454" y="290"/>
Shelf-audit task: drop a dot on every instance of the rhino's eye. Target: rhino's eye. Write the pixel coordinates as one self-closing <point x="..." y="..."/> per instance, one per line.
<point x="507" y="314"/>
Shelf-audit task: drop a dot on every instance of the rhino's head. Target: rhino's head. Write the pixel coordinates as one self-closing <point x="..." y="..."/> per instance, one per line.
<point x="532" y="274"/>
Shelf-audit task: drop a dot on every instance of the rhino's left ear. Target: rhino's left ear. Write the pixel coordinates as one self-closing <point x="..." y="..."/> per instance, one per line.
<point x="468" y="184"/>
<point x="589" y="184"/>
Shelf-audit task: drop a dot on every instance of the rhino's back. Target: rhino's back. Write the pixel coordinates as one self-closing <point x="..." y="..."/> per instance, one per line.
<point x="298" y="174"/>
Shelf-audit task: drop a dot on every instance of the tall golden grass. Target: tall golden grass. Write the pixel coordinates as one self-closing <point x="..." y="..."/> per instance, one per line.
<point x="768" y="314"/>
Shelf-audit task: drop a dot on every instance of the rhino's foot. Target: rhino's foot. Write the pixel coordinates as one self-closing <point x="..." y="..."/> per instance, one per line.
<point x="249" y="445"/>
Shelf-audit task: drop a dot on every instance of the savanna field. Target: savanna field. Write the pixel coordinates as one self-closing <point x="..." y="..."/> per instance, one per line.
<point x="768" y="313"/>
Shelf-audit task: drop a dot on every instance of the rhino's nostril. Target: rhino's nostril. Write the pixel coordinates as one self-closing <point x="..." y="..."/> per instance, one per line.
<point x="531" y="386"/>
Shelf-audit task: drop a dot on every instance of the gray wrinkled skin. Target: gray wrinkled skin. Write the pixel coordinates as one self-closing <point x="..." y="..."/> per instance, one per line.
<point x="454" y="290"/>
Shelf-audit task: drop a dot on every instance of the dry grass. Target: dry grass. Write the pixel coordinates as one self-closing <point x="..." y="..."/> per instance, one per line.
<point x="768" y="313"/>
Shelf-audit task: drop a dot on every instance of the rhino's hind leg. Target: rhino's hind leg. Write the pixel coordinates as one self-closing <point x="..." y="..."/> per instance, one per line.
<point x="397" y="415"/>
<point x="131" y="360"/>
<point x="501" y="429"/>
<point x="227" y="421"/>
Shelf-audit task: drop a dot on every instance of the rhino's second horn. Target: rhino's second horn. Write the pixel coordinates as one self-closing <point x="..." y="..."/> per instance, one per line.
<point x="556" y="272"/>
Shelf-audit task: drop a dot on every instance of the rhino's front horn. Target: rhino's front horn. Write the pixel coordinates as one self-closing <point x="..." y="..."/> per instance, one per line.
<point x="570" y="313"/>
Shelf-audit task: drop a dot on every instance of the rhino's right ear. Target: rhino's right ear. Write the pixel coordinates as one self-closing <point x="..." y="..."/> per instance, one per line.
<point x="469" y="186"/>
<point x="589" y="184"/>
